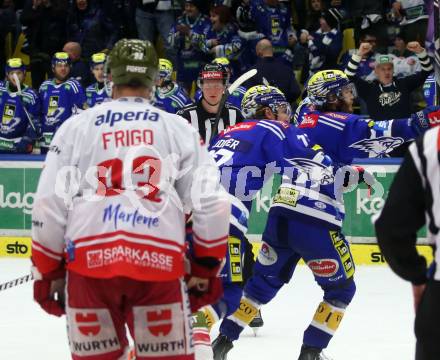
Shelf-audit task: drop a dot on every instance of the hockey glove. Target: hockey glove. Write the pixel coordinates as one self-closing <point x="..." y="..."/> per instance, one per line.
<point x="425" y="119"/>
<point x="49" y="290"/>
<point x="204" y="285"/>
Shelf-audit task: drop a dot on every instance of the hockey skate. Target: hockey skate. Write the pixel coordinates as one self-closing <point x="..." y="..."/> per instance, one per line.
<point x="311" y="353"/>
<point x="221" y="346"/>
<point x="256" y="323"/>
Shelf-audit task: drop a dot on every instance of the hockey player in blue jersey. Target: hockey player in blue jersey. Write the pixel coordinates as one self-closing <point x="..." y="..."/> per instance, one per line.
<point x="237" y="96"/>
<point x="20" y="113"/>
<point x="430" y="90"/>
<point x="96" y="93"/>
<point x="169" y="96"/>
<point x="60" y="98"/>
<point x="248" y="154"/>
<point x="305" y="222"/>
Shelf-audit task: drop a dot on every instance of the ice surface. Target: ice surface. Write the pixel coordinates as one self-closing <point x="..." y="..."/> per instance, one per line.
<point x="378" y="324"/>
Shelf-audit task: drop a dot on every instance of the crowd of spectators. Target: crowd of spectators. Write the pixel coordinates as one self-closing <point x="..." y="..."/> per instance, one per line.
<point x="287" y="41"/>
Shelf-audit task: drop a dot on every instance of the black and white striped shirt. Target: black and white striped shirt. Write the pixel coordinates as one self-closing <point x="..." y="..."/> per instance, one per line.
<point x="413" y="201"/>
<point x="203" y="121"/>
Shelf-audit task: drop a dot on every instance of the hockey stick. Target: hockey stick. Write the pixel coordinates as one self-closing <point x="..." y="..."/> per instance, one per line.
<point x="15" y="282"/>
<point x="20" y="94"/>
<point x="243" y="78"/>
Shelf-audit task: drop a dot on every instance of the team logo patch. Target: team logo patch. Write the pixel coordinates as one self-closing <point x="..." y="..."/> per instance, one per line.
<point x="94" y="259"/>
<point x="309" y="121"/>
<point x="160" y="330"/>
<point x="53" y="105"/>
<point x="323" y="267"/>
<point x="8" y="114"/>
<point x="267" y="255"/>
<point x="378" y="146"/>
<point x="91" y="332"/>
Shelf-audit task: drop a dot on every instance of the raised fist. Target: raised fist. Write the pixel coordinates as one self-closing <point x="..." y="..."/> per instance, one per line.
<point x="364" y="49"/>
<point x="415" y="47"/>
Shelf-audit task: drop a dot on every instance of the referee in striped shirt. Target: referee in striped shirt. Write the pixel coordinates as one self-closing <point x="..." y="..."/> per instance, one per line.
<point x="413" y="201"/>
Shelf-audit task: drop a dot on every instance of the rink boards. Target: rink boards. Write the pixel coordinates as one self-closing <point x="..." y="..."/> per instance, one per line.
<point x="19" y="179"/>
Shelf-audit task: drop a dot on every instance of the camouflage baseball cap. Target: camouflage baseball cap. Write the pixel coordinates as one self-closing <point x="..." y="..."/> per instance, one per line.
<point x="133" y="61"/>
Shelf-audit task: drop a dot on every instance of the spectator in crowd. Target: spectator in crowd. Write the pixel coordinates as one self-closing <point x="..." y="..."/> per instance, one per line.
<point x="316" y="8"/>
<point x="168" y="95"/>
<point x="221" y="38"/>
<point x="122" y="13"/>
<point x="388" y="97"/>
<point x="155" y="17"/>
<point x="247" y="31"/>
<point x="79" y="69"/>
<point x="273" y="21"/>
<point x="274" y="71"/>
<point x="213" y="80"/>
<point x="97" y="92"/>
<point x="405" y="62"/>
<point x="413" y="18"/>
<point x="20" y="114"/>
<point x="368" y="15"/>
<point x="365" y="69"/>
<point x="326" y="43"/>
<point x="185" y="36"/>
<point x="88" y="26"/>
<point x="45" y="30"/>
<point x="61" y="97"/>
<point x="400" y="49"/>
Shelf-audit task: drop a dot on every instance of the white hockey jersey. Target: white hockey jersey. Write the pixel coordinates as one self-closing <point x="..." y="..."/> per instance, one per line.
<point x="115" y="186"/>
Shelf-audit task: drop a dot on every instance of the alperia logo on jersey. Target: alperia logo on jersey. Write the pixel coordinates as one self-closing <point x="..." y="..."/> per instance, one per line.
<point x="53" y="105"/>
<point x="8" y="114"/>
<point x="112" y="117"/>
<point x="16" y="200"/>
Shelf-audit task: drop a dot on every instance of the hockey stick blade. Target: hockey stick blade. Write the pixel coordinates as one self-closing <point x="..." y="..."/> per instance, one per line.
<point x="240" y="80"/>
<point x="15" y="282"/>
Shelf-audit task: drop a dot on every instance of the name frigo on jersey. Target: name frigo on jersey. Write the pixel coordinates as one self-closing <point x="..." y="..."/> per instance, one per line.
<point x="111" y="117"/>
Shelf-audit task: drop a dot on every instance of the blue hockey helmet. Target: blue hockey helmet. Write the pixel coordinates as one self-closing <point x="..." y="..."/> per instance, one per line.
<point x="326" y="86"/>
<point x="260" y="96"/>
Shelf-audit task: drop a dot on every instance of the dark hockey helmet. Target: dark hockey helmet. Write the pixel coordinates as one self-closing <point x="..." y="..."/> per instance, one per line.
<point x="133" y="61"/>
<point x="213" y="72"/>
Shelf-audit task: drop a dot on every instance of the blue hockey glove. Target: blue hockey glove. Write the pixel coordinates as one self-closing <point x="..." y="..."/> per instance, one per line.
<point x="425" y="119"/>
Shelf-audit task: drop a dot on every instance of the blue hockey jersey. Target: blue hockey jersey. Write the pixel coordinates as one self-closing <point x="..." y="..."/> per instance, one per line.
<point x="274" y="22"/>
<point x="250" y="153"/>
<point x="16" y="131"/>
<point x="429" y="90"/>
<point x="171" y="99"/>
<point x="189" y="53"/>
<point x="58" y="103"/>
<point x="229" y="43"/>
<point x="343" y="137"/>
<point x="95" y="95"/>
<point x="233" y="99"/>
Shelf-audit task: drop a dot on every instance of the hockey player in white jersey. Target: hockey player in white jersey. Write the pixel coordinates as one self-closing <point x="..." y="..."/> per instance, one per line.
<point x="110" y="213"/>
